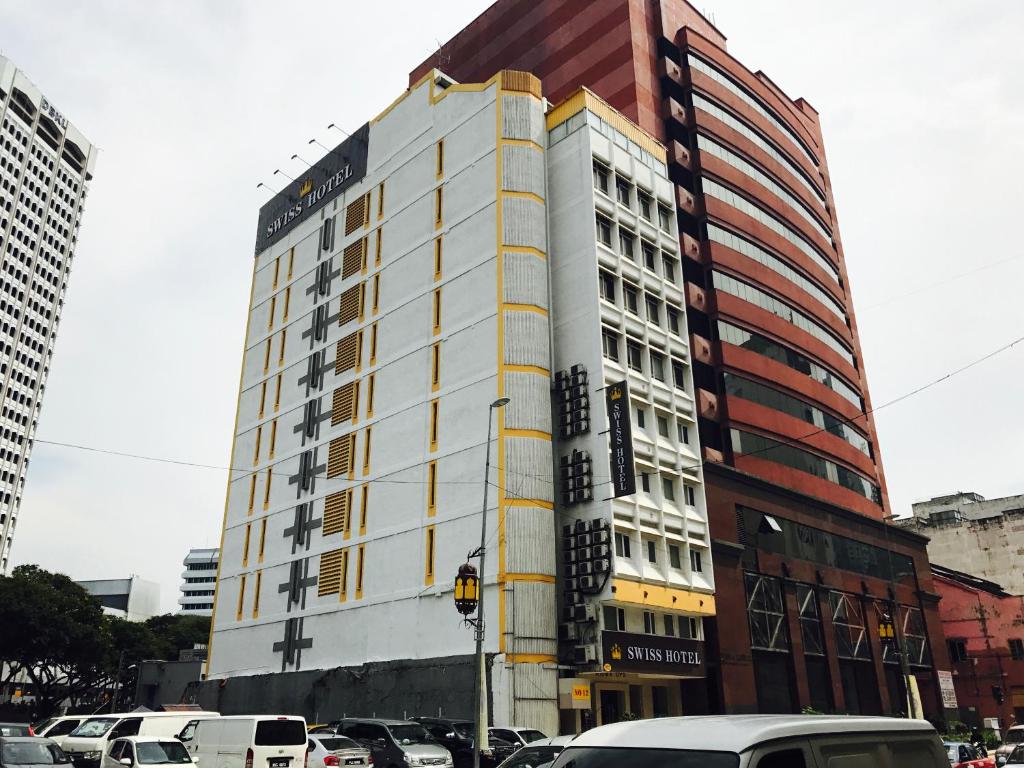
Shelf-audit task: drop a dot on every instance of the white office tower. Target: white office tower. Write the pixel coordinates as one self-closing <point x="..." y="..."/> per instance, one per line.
<point x="402" y="286"/>
<point x="45" y="167"/>
<point x="198" y="582"/>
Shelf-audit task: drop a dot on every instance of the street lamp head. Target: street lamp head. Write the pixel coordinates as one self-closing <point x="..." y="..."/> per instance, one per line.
<point x="501" y="402"/>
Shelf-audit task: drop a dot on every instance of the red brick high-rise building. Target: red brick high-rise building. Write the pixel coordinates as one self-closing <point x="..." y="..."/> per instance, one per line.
<point x="804" y="564"/>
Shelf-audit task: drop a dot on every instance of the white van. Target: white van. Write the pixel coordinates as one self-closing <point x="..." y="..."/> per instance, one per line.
<point x="87" y="744"/>
<point x="759" y="741"/>
<point x="247" y="741"/>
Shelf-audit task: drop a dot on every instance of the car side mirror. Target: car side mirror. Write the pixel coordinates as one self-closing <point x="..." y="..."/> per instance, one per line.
<point x="126" y="761"/>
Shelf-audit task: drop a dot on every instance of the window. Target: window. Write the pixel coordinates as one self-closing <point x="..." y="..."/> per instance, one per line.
<point x="645" y="482"/>
<point x="653" y="310"/>
<point x="646" y="204"/>
<point x="787" y="758"/>
<point x="437" y="311"/>
<point x="380" y="201"/>
<point x="428" y="577"/>
<point x="634" y="356"/>
<point x="432" y="488"/>
<point x="668" y="488"/>
<point x="604" y="231"/>
<point x="366" y="451"/>
<point x="438" y="206"/>
<point x="1016" y="649"/>
<point x="376" y="293"/>
<point x="241" y="598"/>
<point x="370" y="382"/>
<point x="670" y="625"/>
<point x="266" y="489"/>
<point x="610" y="344"/>
<point x="848" y="623"/>
<point x="766" y="613"/>
<point x="440" y="158"/>
<point x="437" y="258"/>
<point x="652" y="553"/>
<point x="663" y="426"/>
<point x="664" y="218"/>
<point x="270" y="314"/>
<point x="601" y="177"/>
<point x="679" y="374"/>
<point x="630" y="298"/>
<point x="622" y="191"/>
<point x="650" y="255"/>
<point x="641" y="418"/>
<point x="957" y="650"/>
<point x="380" y="245"/>
<point x="627" y="244"/>
<point x="263" y="539"/>
<point x="810" y="620"/>
<point x="691" y="494"/>
<point x="657" y="366"/>
<point x="669" y="265"/>
<point x="622" y="545"/>
<point x="696" y="564"/>
<point x="649" y="622"/>
<point x="673" y="556"/>
<point x="606" y="284"/>
<point x="614" y="619"/>
<point x="434" y="409"/>
<point x="683" y="432"/>
<point x="673" y="320"/>
<point x="363" y="509"/>
<point x="359" y="571"/>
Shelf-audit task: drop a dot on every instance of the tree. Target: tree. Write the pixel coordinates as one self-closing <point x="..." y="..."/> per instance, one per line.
<point x="177" y="632"/>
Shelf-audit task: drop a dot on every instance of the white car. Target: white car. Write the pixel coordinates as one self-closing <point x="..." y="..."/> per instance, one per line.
<point x="538" y="754"/>
<point x="517" y="734"/>
<point x="1015" y="759"/>
<point x="137" y="751"/>
<point x="335" y="751"/>
<point x="59" y="728"/>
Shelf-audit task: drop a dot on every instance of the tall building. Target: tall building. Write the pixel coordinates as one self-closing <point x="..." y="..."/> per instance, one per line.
<point x="198" y="582"/>
<point x="793" y="478"/>
<point x="969" y="533"/>
<point x="132" y="598"/>
<point x="45" y="167"/>
<point x="469" y="244"/>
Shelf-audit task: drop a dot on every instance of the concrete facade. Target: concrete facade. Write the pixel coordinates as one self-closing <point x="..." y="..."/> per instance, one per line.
<point x="969" y="533"/>
<point x="133" y="598"/>
<point x="45" y="168"/>
<point x="198" y="582"/>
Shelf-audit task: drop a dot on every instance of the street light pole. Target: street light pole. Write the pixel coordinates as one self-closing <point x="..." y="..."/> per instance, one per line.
<point x="479" y="686"/>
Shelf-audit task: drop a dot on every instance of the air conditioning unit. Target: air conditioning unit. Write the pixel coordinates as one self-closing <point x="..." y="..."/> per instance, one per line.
<point x="600" y="566"/>
<point x="566" y="432"/>
<point x="568" y="631"/>
<point x="586" y="582"/>
<point x="584" y="494"/>
<point x="572" y="585"/>
<point x="570" y="571"/>
<point x="580" y="427"/>
<point x="583" y="540"/>
<point x="601" y="536"/>
<point x="579" y="379"/>
<point x="581" y="403"/>
<point x="585" y="654"/>
<point x="601" y="550"/>
<point x="565" y="420"/>
<point x="585" y="613"/>
<point x="577" y="369"/>
<point x="584" y="553"/>
<point x="583" y="569"/>
<point x="572" y="598"/>
<point x="578" y="392"/>
<point x="561" y="380"/>
<point x="582" y="526"/>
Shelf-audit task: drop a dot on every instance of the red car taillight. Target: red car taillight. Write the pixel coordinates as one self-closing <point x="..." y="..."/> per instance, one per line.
<point x="248" y="758"/>
<point x="31" y="731"/>
<point x="332" y="760"/>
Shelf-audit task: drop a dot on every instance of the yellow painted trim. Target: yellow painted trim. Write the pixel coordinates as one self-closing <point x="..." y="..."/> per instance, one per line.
<point x="525" y="308"/>
<point x="529" y="503"/>
<point x="528" y="369"/>
<point x="256" y="595"/>
<point x="536" y="578"/>
<point x="523" y="143"/>
<point x="540" y="435"/>
<point x="500" y="274"/>
<point x="657" y="596"/>
<point x="531" y="658"/>
<point x="405" y="94"/>
<point x="241" y="597"/>
<point x="525" y="249"/>
<point x="522" y="196"/>
<point x="430" y="556"/>
<point x="231" y="463"/>
<point x="360" y="567"/>
<point x="363" y="503"/>
<point x="583" y="98"/>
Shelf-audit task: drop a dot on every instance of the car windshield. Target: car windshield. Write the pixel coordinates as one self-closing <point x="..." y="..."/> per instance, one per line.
<point x="463" y="729"/>
<point x="30" y="753"/>
<point x="158" y="752"/>
<point x="410" y="734"/>
<point x="530" y="735"/>
<point x="336" y="743"/>
<point x="95" y="726"/>
<point x="617" y="757"/>
<point x="1013" y="736"/>
<point x="1017" y="756"/>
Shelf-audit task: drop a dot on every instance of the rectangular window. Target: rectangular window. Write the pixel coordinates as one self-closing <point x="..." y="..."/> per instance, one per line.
<point x="610" y="344"/>
<point x="273" y="438"/>
<point x="256" y="451"/>
<point x="434" y="413"/>
<point x="428" y="576"/>
<point x="657" y="366"/>
<point x="653" y="310"/>
<point x="634" y="356"/>
<point x="670" y="625"/>
<point x="435" y="366"/>
<point x="277" y="271"/>
<point x="604" y="231"/>
<point x="696" y="564"/>
<point x="622" y="545"/>
<point x="431" y="488"/>
<point x="957" y="650"/>
<point x="691" y="494"/>
<point x="343" y="581"/>
<point x="601" y="177"/>
<point x="678" y="374"/>
<point x="663" y="426"/>
<point x="277" y="392"/>
<point x="263" y="539"/>
<point x="263" y="399"/>
<point x="376" y="293"/>
<point x="366" y="451"/>
<point x="437" y="258"/>
<point x="1016" y="649"/>
<point x="646" y="204"/>
<point x="641" y="418"/>
<point x="380" y="246"/>
<point x="438" y="206"/>
<point x="373" y="344"/>
<point x="241" y="597"/>
<point x="280" y="356"/>
<point x="650" y="254"/>
<point x="266" y="357"/>
<point x="380" y="200"/>
<point x="606" y="285"/>
<point x="668" y="488"/>
<point x="364" y="509"/>
<point x="670" y="268"/>
<point x="652" y="553"/>
<point x="627" y="244"/>
<point x="614" y="619"/>
<point x="649" y="622"/>
<point x="630" y="297"/>
<point x="440" y="158"/>
<point x="291" y="262"/>
<point x="370" y="382"/>
<point x="270" y="314"/>
<point x="287" y="303"/>
<point x="245" y="545"/>
<point x="645" y="482"/>
<point x="683" y="433"/>
<point x="664" y="218"/>
<point x="623" y="191"/>
<point x="359" y="571"/>
<point x="359" y="350"/>
<point x="252" y="492"/>
<point x="256" y="595"/>
<point x="673" y="320"/>
<point x="266" y="489"/>
<point x="673" y="556"/>
<point x="436" y="312"/>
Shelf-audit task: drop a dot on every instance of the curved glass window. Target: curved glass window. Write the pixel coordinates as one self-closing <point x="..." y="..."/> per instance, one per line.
<point x="757" y="139"/>
<point x="762" y="178"/>
<point x="725" y="81"/>
<point x="775" y="264"/>
<point x="741" y="203"/>
<point x="772" y="398"/>
<point x="766" y="301"/>
<point x="790" y="456"/>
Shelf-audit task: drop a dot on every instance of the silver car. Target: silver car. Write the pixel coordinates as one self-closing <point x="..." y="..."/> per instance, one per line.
<point x="333" y="751"/>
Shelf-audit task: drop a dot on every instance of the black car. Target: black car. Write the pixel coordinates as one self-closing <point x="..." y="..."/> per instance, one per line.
<point x="28" y="751"/>
<point x="457" y="737"/>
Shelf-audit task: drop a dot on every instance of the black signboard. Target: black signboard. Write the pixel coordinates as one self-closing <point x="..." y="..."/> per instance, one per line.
<point x="323" y="181"/>
<point x="620" y="440"/>
<point x="653" y="654"/>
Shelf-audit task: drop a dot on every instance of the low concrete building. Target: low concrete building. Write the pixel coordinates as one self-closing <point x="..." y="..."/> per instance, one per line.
<point x="133" y="598"/>
<point x="979" y="536"/>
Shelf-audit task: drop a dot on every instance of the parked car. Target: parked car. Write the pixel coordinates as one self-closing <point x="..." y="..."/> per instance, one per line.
<point x="759" y="741"/>
<point x="328" y="750"/>
<point x="59" y="728"/>
<point x="1012" y="759"/>
<point x="395" y="743"/>
<point x="145" y="750"/>
<point x="458" y="738"/>
<point x="26" y="751"/>
<point x="247" y="741"/>
<point x="536" y="754"/>
<point x="964" y="755"/>
<point x="88" y="743"/>
<point x="1014" y="736"/>
<point x="517" y="734"/>
<point x="16" y="729"/>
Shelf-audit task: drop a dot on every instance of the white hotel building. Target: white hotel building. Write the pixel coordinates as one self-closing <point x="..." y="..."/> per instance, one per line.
<point x="45" y="167"/>
<point x="469" y="243"/>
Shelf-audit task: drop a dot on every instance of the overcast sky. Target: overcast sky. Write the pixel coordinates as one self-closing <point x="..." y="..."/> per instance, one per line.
<point x="193" y="103"/>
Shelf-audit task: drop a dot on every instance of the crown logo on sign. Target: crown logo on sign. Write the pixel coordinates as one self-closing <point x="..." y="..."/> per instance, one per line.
<point x="306" y="188"/>
<point x="616" y="394"/>
<point x="616" y="652"/>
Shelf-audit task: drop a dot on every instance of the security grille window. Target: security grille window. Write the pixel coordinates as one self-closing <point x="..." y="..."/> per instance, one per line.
<point x="601" y="177"/>
<point x="646" y="204"/>
<point x="766" y="613"/>
<point x="848" y="623"/>
<point x="915" y="637"/>
<point x="696" y="561"/>
<point x="607" y="285"/>
<point x="627" y="244"/>
<point x="673" y="556"/>
<point x="810" y="620"/>
<point x="354" y="214"/>
<point x="1016" y="649"/>
<point x="630" y="297"/>
<point x="604" y="231"/>
<point x="957" y="650"/>
<point x="658" y="366"/>
<point x="634" y="356"/>
<point x="622" y="545"/>
<point x="653" y="310"/>
<point x="664" y="218"/>
<point x="649" y="625"/>
<point x="610" y="344"/>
